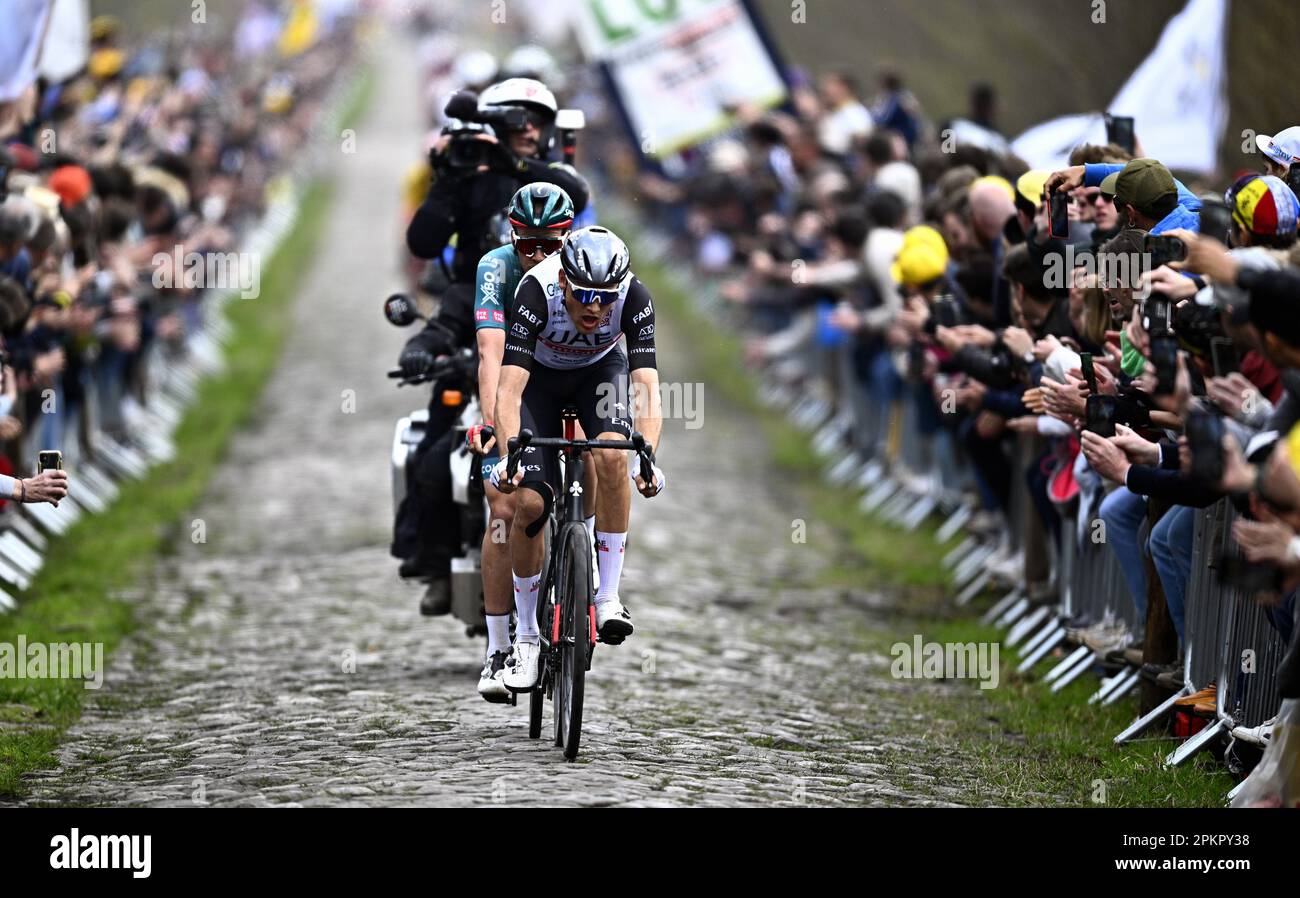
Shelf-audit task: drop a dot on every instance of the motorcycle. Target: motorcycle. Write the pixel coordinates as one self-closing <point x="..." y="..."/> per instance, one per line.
<point x="467" y="485"/>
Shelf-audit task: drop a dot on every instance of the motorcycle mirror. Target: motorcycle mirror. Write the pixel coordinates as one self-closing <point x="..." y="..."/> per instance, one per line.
<point x="400" y="310"/>
<point x="570" y="120"/>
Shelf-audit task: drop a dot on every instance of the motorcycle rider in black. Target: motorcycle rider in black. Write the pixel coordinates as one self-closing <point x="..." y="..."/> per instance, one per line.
<point x="476" y="172"/>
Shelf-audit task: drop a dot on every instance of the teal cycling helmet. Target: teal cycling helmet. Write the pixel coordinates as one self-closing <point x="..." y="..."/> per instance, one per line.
<point x="540" y="205"/>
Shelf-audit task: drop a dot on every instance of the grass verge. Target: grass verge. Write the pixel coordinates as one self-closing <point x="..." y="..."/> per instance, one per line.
<point x="73" y="598"/>
<point x="1021" y="744"/>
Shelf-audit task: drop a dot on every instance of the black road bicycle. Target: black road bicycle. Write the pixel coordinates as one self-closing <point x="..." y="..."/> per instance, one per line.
<point x="567" y="621"/>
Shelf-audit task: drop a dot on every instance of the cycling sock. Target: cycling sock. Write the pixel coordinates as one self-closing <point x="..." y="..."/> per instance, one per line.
<point x="498" y="633"/>
<point x="609" y="560"/>
<point x="526" y="589"/>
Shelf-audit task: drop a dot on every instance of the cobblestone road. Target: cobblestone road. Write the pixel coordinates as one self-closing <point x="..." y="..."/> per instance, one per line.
<point x="743" y="684"/>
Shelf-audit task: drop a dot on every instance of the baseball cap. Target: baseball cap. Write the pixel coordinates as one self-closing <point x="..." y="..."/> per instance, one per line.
<point x="1030" y="185"/>
<point x="1142" y="183"/>
<point x="1283" y="147"/>
<point x="1264" y="204"/>
<point x="1108" y="184"/>
<point x="922" y="258"/>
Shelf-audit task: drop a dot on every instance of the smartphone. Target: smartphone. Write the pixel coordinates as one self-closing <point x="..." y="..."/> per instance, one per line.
<point x="1099" y="415"/>
<point x="1058" y="224"/>
<point x="1216" y="219"/>
<point x="946" y="311"/>
<point x="1224" y="356"/>
<point x="1205" y="439"/>
<point x="1119" y="131"/>
<point x="49" y="460"/>
<point x="1089" y="373"/>
<point x="1164" y="250"/>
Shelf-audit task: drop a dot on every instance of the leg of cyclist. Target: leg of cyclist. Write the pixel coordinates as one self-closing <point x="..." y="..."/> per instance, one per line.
<point x="498" y="599"/>
<point x="614" y="498"/>
<point x="540" y="413"/>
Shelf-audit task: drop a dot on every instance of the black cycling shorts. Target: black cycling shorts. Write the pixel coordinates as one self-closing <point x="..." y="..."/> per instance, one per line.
<point x="598" y="392"/>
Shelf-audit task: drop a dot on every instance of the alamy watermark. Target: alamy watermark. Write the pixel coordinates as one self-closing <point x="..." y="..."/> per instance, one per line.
<point x="240" y="272"/>
<point x="620" y="401"/>
<point x="919" y="660"/>
<point x="53" y="661"/>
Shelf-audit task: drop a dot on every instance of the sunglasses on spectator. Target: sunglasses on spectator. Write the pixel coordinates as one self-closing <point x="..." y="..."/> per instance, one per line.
<point x="528" y="246"/>
<point x="1105" y="198"/>
<point x="589" y="296"/>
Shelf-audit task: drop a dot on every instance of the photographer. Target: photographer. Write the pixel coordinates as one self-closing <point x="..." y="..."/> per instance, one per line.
<point x="476" y="172"/>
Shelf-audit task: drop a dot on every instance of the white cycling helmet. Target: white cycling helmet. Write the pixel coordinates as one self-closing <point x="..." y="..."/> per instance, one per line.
<point x="474" y="68"/>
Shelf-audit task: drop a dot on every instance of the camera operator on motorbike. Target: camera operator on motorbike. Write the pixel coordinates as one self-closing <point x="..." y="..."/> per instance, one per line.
<point x="475" y="175"/>
<point x="540" y="216"/>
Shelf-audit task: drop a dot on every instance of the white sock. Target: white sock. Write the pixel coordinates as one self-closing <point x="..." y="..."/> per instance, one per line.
<point x="526" y="589"/>
<point x="498" y="633"/>
<point x="609" y="560"/>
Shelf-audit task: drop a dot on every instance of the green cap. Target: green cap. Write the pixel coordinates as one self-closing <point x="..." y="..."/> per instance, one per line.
<point x="1143" y="183"/>
<point x="1108" y="183"/>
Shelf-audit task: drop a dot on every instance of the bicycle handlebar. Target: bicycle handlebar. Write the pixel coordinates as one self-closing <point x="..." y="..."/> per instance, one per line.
<point x="636" y="443"/>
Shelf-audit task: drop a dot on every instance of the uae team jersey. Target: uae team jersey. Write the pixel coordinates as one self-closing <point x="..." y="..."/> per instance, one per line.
<point x="540" y="329"/>
<point x="498" y="276"/>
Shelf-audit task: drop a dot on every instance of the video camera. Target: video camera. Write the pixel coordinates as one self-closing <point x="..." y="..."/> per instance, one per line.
<point x="1158" y="321"/>
<point x="466" y="151"/>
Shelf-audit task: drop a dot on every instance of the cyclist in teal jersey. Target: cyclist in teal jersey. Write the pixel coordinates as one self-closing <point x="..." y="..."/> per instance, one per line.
<point x="540" y="215"/>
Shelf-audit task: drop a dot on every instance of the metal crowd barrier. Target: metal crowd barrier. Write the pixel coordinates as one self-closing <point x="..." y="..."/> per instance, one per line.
<point x="1221" y="625"/>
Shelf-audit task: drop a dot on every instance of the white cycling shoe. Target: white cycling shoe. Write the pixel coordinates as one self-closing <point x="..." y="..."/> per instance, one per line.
<point x="521" y="674"/>
<point x="613" y="623"/>
<point x="491" y="679"/>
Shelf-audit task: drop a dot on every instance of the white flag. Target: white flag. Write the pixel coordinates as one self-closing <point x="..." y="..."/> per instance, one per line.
<point x="22" y="26"/>
<point x="1177" y="98"/>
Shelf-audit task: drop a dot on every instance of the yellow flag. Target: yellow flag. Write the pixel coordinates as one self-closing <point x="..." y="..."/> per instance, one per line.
<point x="300" y="31"/>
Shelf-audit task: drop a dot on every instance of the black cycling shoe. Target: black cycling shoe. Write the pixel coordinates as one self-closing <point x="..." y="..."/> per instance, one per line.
<point x="437" y="598"/>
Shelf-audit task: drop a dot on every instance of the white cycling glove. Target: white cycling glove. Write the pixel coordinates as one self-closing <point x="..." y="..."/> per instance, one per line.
<point x="634" y="470"/>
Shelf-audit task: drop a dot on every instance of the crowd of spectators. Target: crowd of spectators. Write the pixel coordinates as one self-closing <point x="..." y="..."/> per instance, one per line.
<point x="1124" y="367"/>
<point x="162" y="147"/>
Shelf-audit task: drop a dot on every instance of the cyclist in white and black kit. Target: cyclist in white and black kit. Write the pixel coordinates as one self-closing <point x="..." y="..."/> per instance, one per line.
<point x="562" y="350"/>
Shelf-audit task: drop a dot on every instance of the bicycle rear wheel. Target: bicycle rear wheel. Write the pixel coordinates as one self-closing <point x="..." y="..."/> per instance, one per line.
<point x="574" y="583"/>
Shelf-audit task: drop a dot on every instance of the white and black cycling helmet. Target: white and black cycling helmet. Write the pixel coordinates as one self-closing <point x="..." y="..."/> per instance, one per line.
<point x="595" y="259"/>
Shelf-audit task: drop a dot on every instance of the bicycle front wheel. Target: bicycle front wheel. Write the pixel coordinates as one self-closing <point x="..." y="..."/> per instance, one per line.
<point x="574" y="608"/>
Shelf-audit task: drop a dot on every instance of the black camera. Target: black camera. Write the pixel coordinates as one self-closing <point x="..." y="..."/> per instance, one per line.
<point x="1216" y="218"/>
<point x="1157" y="319"/>
<point x="1196" y="326"/>
<point x="1164" y="249"/>
<point x="467" y="150"/>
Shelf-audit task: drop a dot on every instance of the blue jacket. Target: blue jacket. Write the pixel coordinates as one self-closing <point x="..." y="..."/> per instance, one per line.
<point x="1185" y="214"/>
